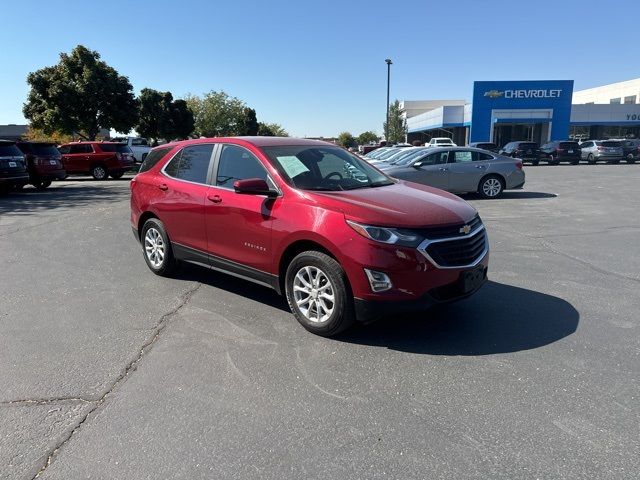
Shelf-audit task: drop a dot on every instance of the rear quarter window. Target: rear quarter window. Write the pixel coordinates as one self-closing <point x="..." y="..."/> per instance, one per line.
<point x="153" y="158"/>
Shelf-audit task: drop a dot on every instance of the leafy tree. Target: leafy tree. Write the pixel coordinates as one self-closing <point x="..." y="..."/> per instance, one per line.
<point x="271" y="130"/>
<point x="182" y="121"/>
<point x="346" y="140"/>
<point x="249" y="124"/>
<point x="37" y="135"/>
<point x="397" y="128"/>
<point x="367" y="137"/>
<point x="80" y="94"/>
<point x="162" y="117"/>
<point x="217" y="114"/>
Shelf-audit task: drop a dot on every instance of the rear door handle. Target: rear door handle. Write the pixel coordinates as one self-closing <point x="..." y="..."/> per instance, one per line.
<point x="481" y="166"/>
<point x="163" y="187"/>
<point x="443" y="169"/>
<point x="214" y="198"/>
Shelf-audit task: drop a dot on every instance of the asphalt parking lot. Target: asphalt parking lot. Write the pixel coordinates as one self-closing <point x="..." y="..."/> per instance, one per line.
<point x="108" y="371"/>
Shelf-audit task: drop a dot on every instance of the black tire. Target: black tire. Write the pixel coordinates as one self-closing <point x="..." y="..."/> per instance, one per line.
<point x="168" y="264"/>
<point x="631" y="160"/>
<point x="535" y="162"/>
<point x="41" y="184"/>
<point x="551" y="160"/>
<point x="116" y="175"/>
<point x="99" y="172"/>
<point x="343" y="313"/>
<point x="591" y="159"/>
<point x="575" y="162"/>
<point x="487" y="186"/>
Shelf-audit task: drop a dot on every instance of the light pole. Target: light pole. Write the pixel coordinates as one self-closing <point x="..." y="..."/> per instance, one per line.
<point x="386" y="130"/>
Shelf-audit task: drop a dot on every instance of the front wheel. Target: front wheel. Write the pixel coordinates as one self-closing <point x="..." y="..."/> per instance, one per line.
<point x="591" y="159"/>
<point x="318" y="293"/>
<point x="99" y="172"/>
<point x="157" y="248"/>
<point x="490" y="186"/>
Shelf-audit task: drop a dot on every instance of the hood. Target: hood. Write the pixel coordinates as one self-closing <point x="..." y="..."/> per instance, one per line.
<point x="403" y="204"/>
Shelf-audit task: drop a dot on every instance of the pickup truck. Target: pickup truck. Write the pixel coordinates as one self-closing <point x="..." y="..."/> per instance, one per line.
<point x="138" y="145"/>
<point x="441" y="142"/>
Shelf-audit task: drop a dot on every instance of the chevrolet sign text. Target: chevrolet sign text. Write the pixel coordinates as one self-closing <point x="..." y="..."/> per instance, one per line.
<point x="532" y="93"/>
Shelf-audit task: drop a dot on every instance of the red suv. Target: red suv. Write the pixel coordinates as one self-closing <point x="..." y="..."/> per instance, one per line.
<point x="44" y="163"/>
<point x="341" y="239"/>
<point x="100" y="159"/>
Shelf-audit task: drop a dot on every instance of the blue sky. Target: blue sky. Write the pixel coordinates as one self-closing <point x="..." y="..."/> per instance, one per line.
<point x="318" y="68"/>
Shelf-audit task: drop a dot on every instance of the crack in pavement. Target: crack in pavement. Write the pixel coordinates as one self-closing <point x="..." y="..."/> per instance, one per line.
<point x="45" y="401"/>
<point x="131" y="367"/>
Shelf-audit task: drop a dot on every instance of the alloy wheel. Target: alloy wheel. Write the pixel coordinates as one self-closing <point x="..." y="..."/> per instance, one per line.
<point x="154" y="247"/>
<point x="314" y="294"/>
<point x="491" y="187"/>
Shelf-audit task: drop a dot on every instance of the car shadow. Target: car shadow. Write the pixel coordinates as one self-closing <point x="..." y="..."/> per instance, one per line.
<point x="30" y="201"/>
<point x="510" y="195"/>
<point x="499" y="318"/>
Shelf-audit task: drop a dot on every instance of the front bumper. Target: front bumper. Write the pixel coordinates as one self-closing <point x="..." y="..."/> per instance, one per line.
<point x="370" y="310"/>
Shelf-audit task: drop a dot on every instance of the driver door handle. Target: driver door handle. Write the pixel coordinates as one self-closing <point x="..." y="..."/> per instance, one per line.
<point x="163" y="187"/>
<point x="481" y="166"/>
<point x="214" y="198"/>
<point x="442" y="169"/>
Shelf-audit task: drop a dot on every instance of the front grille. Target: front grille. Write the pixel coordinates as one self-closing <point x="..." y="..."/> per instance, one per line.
<point x="449" y="231"/>
<point x="463" y="251"/>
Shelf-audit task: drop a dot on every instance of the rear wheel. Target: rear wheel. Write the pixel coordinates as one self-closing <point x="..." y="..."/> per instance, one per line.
<point x="99" y="172"/>
<point x="552" y="160"/>
<point x="591" y="159"/>
<point x="490" y="186"/>
<point x="318" y="293"/>
<point x="41" y="184"/>
<point x="630" y="159"/>
<point x="157" y="248"/>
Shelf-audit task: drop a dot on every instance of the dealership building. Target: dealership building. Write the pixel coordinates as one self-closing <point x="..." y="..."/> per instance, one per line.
<point x="537" y="110"/>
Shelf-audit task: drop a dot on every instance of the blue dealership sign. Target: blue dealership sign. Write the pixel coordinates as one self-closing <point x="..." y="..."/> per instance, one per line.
<point x="533" y="101"/>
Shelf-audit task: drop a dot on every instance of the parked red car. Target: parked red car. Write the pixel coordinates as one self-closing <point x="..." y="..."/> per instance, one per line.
<point x="44" y="163"/>
<point x="341" y="239"/>
<point x="100" y="159"/>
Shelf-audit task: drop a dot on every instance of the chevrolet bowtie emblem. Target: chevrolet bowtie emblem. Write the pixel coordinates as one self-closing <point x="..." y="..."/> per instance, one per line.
<point x="466" y="229"/>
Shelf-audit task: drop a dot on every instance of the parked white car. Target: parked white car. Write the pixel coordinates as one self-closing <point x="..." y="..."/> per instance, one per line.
<point x="441" y="142"/>
<point x="138" y="145"/>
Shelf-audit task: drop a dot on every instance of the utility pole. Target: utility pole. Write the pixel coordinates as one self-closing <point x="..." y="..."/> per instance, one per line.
<point x="386" y="130"/>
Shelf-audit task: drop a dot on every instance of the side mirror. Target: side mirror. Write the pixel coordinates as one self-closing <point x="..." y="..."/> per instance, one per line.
<point x="254" y="186"/>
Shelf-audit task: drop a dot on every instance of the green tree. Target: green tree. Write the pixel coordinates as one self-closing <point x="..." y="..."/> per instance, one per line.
<point x="249" y="124"/>
<point x="397" y="129"/>
<point x="80" y="94"/>
<point x="346" y="140"/>
<point x="182" y="121"/>
<point x="154" y="119"/>
<point x="271" y="130"/>
<point x="367" y="137"/>
<point x="217" y="114"/>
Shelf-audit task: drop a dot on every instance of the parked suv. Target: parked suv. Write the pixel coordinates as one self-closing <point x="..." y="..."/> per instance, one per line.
<point x="44" y="163"/>
<point x="631" y="150"/>
<point x="13" y="171"/>
<point x="341" y="239"/>
<point x="556" y="152"/>
<point x="441" y="142"/>
<point x="594" y="150"/>
<point x="100" y="159"/>
<point x="527" y="151"/>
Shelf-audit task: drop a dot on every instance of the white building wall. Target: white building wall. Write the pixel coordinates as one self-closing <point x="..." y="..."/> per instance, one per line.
<point x="605" y="93"/>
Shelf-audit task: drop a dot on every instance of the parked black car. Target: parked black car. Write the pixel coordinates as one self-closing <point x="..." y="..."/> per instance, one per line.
<point x="527" y="151"/>
<point x="44" y="163"/>
<point x="13" y="171"/>
<point x="631" y="149"/>
<point x="492" y="147"/>
<point x="561" y="151"/>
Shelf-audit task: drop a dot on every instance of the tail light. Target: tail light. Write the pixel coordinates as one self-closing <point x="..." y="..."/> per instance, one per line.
<point x="519" y="165"/>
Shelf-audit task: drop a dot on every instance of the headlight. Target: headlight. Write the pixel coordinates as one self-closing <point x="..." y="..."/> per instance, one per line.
<point x="392" y="236"/>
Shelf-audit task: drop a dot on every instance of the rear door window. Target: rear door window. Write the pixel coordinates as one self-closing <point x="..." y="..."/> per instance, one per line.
<point x="80" y="148"/>
<point x="191" y="164"/>
<point x="460" y="156"/>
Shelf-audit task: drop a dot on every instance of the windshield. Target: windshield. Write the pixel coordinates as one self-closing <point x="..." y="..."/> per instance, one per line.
<point x="376" y="153"/>
<point x="410" y="158"/>
<point x="324" y="168"/>
<point x="9" y="150"/>
<point x="115" y="147"/>
<point x="44" y="149"/>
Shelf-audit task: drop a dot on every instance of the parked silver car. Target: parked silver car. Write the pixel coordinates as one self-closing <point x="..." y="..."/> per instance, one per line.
<point x="461" y="170"/>
<point x="609" y="150"/>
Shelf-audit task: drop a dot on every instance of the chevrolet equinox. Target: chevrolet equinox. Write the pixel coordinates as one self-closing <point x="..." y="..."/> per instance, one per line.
<point x="343" y="241"/>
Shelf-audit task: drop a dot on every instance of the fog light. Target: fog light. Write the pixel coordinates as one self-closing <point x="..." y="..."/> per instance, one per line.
<point x="379" y="281"/>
